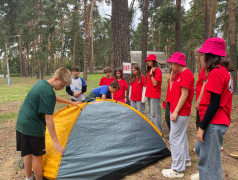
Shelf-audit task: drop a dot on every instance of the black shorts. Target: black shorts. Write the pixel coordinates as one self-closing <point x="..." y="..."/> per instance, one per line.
<point x="30" y="144"/>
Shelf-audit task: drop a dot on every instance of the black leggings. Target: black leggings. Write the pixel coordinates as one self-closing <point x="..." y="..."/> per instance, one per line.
<point x="167" y="114"/>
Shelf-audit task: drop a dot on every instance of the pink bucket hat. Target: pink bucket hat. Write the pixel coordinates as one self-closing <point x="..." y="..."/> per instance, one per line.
<point x="178" y="58"/>
<point x="214" y="45"/>
<point x="151" y="57"/>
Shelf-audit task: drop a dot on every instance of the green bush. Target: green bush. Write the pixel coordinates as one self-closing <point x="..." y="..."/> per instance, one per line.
<point x="15" y="75"/>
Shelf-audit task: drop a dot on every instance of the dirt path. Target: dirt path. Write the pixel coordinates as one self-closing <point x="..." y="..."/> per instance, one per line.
<point x="10" y="107"/>
<point x="9" y="158"/>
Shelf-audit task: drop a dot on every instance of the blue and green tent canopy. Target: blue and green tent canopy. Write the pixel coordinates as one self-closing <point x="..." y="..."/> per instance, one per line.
<point x="102" y="140"/>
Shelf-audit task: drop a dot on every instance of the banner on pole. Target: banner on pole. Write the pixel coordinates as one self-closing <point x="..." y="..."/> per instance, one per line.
<point x="126" y="68"/>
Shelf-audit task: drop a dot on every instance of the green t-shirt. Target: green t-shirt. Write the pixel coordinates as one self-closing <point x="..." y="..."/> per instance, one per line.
<point x="39" y="101"/>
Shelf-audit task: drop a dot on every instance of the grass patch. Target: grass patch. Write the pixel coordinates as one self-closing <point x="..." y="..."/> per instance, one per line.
<point x="8" y="117"/>
<point x="20" y="86"/>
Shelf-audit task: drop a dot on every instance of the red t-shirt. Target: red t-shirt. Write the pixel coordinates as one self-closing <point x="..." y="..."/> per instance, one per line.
<point x="219" y="82"/>
<point x="185" y="79"/>
<point x="151" y="90"/>
<point x="137" y="88"/>
<point x="120" y="94"/>
<point x="202" y="77"/>
<point x="168" y="88"/>
<point x="106" y="81"/>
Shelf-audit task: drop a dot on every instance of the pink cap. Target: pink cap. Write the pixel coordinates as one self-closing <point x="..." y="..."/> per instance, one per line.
<point x="178" y="58"/>
<point x="214" y="45"/>
<point x="151" y="57"/>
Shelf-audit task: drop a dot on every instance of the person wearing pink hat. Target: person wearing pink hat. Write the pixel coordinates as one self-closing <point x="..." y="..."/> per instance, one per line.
<point x="214" y="109"/>
<point x="153" y="91"/>
<point x="181" y="96"/>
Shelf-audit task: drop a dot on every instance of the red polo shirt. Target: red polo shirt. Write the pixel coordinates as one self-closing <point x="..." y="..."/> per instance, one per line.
<point x="151" y="90"/>
<point x="120" y="94"/>
<point x="168" y="88"/>
<point x="186" y="79"/>
<point x="219" y="82"/>
<point x="106" y="81"/>
<point x="137" y="88"/>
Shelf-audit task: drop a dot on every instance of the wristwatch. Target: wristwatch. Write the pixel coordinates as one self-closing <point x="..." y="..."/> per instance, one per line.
<point x="151" y="75"/>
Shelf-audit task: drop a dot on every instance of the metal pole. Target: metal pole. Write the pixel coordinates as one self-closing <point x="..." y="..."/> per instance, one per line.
<point x="8" y="71"/>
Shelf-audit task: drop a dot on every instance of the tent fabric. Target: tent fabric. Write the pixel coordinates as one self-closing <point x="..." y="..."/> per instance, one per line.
<point x="64" y="121"/>
<point x="102" y="140"/>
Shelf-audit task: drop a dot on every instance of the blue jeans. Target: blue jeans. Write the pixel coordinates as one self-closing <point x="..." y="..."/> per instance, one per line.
<point x="139" y="106"/>
<point x="209" y="152"/>
<point x="154" y="112"/>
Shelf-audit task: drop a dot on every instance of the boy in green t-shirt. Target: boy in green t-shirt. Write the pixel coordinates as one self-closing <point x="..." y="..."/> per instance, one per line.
<point x="35" y="114"/>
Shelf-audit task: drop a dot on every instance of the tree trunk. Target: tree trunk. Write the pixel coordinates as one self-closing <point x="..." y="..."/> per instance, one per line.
<point x="42" y="69"/>
<point x="120" y="32"/>
<point x="86" y="46"/>
<point x="159" y="39"/>
<point x="5" y="63"/>
<point x="92" y="53"/>
<point x="74" y="49"/>
<point x="224" y="26"/>
<point x="62" y="42"/>
<point x="232" y="32"/>
<point x="33" y="61"/>
<point x="213" y="18"/>
<point x="152" y="34"/>
<point x="91" y="31"/>
<point x="38" y="69"/>
<point x="28" y="58"/>
<point x="23" y="63"/>
<point x="206" y="18"/>
<point x="87" y="36"/>
<point x="42" y="63"/>
<point x="39" y="41"/>
<point x="192" y="58"/>
<point x="178" y="27"/>
<point x="52" y="59"/>
<point x="20" y="53"/>
<point x="144" y="42"/>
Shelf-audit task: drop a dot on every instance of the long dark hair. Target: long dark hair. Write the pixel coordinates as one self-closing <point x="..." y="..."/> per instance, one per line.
<point x="120" y="70"/>
<point x="148" y="68"/>
<point x="212" y="61"/>
<point x="133" y="77"/>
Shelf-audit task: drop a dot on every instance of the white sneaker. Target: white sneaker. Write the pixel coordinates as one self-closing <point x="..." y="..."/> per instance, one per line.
<point x="188" y="164"/>
<point x="195" y="176"/>
<point x="170" y="173"/>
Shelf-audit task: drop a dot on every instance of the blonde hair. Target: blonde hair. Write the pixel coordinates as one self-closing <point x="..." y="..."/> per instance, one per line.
<point x="64" y="75"/>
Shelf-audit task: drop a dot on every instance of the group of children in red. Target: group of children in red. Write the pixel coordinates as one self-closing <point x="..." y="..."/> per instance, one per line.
<point x="140" y="87"/>
<point x="213" y="105"/>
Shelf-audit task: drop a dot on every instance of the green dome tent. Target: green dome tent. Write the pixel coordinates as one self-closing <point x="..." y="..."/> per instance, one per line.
<point x="102" y="140"/>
